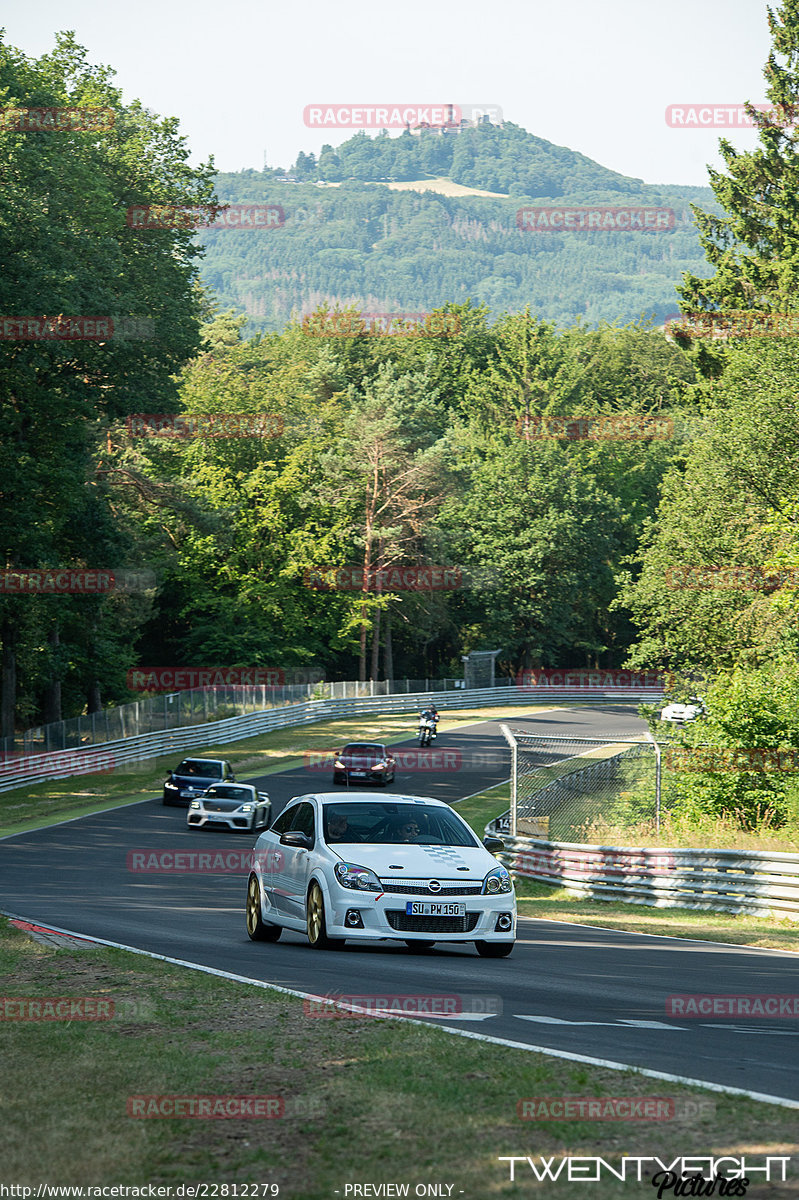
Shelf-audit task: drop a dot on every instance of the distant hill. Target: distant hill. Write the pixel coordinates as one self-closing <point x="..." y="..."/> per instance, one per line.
<point x="350" y="238"/>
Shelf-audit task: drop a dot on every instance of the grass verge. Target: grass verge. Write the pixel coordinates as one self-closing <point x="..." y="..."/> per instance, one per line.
<point x="365" y="1100"/>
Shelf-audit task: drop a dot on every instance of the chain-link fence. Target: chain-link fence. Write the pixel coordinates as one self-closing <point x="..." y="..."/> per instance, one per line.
<point x="195" y="706"/>
<point x="571" y="789"/>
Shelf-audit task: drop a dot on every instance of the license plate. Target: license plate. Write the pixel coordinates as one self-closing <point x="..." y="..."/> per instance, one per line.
<point x="434" y="908"/>
<point x="217" y="817"/>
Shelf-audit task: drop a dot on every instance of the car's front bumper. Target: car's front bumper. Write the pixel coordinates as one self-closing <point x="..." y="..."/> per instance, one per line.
<point x="361" y="776"/>
<point x="384" y="916"/>
<point x="199" y="819"/>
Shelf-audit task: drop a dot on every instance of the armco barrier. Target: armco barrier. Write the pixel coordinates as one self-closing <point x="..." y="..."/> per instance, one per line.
<point x="37" y="768"/>
<point x="738" y="881"/>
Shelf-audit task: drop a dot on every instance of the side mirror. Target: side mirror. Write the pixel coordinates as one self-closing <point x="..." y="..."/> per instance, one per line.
<point x="493" y="844"/>
<point x="295" y="838"/>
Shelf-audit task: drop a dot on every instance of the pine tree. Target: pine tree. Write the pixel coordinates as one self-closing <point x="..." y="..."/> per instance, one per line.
<point x="754" y="248"/>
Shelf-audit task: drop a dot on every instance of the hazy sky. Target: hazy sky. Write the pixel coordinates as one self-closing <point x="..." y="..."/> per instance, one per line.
<point x="594" y="75"/>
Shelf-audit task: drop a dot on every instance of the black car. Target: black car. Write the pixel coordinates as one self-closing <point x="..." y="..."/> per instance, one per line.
<point x="366" y="762"/>
<point x="193" y="777"/>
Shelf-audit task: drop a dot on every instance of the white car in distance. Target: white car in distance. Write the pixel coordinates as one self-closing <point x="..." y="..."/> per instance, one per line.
<point x="680" y="713"/>
<point x="401" y="869"/>
<point x="237" y="806"/>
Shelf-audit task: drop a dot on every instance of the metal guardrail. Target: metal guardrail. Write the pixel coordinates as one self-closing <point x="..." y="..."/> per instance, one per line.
<point x="37" y="768"/>
<point x="737" y="881"/>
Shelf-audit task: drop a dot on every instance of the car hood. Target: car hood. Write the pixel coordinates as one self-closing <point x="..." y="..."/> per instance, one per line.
<point x="420" y="862"/>
<point x="225" y="804"/>
<point x="195" y="781"/>
<point x="362" y="760"/>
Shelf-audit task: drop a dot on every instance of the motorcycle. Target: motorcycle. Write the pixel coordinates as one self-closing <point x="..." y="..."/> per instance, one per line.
<point x="427" y="729"/>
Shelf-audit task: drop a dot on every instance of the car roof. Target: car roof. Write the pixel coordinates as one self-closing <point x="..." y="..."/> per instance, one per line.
<point x="377" y="745"/>
<point x="368" y="798"/>
<point x="200" y="760"/>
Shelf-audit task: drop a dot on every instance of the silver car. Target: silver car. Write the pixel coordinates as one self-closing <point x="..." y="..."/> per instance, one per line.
<point x="402" y="869"/>
<point x="233" y="805"/>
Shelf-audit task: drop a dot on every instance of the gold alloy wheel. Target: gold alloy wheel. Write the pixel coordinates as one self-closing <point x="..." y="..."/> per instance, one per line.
<point x="257" y="928"/>
<point x="315" y="919"/>
<point x="253" y="907"/>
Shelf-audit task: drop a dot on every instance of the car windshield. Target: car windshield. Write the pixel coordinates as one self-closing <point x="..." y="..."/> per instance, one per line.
<point x="387" y="823"/>
<point x="227" y="792"/>
<point x="203" y="767"/>
<point x="370" y="748"/>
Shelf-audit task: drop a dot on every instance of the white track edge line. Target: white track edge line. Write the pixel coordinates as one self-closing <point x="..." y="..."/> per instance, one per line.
<point x="761" y="1097"/>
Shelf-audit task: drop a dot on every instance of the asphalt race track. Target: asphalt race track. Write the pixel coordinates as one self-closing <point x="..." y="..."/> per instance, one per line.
<point x="570" y="988"/>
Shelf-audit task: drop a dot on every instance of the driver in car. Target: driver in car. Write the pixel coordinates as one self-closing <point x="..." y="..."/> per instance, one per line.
<point x="409" y="831"/>
<point x="338" y="829"/>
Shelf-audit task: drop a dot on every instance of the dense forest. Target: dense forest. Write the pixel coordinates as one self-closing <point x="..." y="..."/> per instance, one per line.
<point x="357" y="242"/>
<point x="471" y="450"/>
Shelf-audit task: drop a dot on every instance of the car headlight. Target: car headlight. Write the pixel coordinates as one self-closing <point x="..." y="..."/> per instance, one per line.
<point x="246" y="808"/>
<point x="358" y="879"/>
<point x="381" y="766"/>
<point x="339" y="765"/>
<point x="497" y="882"/>
<point x="195" y="804"/>
<point x="173" y="787"/>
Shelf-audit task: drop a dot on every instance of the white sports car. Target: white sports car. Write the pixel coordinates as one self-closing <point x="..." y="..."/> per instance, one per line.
<point x="235" y="805"/>
<point x="679" y="713"/>
<point x="403" y="869"/>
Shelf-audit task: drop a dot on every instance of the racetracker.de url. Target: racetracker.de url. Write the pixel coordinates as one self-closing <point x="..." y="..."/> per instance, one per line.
<point x="182" y="1191"/>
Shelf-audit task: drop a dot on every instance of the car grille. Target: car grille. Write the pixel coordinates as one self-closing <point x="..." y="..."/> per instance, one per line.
<point x="405" y="889"/>
<point x="407" y="924"/>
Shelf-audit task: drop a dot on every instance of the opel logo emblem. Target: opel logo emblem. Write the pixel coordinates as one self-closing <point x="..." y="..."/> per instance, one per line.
<point x="434" y="885"/>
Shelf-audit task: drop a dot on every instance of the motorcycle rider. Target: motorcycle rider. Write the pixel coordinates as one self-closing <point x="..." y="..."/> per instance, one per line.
<point x="430" y="714"/>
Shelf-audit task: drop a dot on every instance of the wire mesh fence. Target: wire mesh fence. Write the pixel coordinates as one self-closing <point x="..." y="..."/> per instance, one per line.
<point x="570" y="789"/>
<point x="196" y="706"/>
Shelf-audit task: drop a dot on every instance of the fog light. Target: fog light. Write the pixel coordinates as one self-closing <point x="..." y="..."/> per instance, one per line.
<point x="353" y="919"/>
<point x="504" y="923"/>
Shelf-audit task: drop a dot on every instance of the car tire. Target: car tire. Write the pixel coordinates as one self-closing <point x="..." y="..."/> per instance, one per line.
<point x="316" y="922"/>
<point x="494" y="949"/>
<point x="257" y="929"/>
